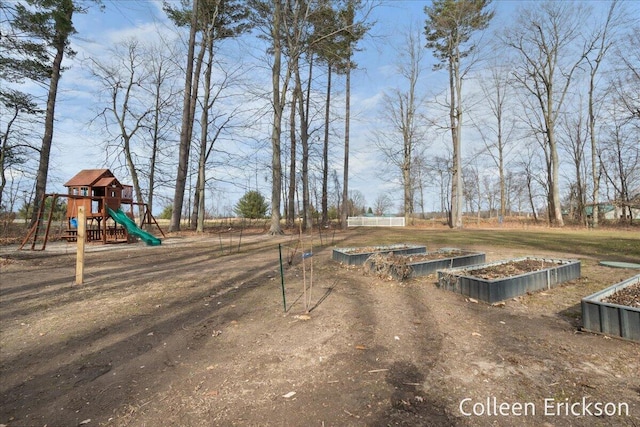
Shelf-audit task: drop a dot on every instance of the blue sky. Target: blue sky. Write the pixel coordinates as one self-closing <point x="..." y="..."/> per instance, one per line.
<point x="77" y="145"/>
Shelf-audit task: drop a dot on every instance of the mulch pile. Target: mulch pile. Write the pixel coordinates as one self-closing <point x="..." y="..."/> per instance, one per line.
<point x="629" y="296"/>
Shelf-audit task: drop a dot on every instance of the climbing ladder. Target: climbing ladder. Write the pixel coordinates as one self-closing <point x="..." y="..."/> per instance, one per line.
<point x="39" y="232"/>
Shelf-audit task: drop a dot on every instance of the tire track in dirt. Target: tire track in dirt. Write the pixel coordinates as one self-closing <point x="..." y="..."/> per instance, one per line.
<point x="413" y="343"/>
<point x="65" y="376"/>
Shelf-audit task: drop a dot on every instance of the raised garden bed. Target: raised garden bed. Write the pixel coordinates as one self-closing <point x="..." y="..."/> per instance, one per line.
<point x="401" y="267"/>
<point x="358" y="255"/>
<point x="501" y="280"/>
<point x="615" y="310"/>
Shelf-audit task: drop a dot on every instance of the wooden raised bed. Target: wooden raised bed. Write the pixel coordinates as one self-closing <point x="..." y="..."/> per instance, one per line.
<point x="602" y="316"/>
<point x="501" y="280"/>
<point x="401" y="267"/>
<point x="358" y="255"/>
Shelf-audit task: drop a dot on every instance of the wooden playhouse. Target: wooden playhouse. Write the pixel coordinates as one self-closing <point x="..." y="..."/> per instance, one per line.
<point x="101" y="195"/>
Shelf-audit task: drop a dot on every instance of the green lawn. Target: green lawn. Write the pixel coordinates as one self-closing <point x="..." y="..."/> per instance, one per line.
<point x="618" y="245"/>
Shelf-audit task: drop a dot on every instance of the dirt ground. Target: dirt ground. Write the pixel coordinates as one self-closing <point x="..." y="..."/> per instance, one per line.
<point x="193" y="333"/>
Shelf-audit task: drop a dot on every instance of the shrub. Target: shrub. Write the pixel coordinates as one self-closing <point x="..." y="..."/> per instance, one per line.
<point x="252" y="205"/>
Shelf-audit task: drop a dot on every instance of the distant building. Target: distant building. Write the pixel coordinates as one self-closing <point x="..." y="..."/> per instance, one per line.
<point x="618" y="211"/>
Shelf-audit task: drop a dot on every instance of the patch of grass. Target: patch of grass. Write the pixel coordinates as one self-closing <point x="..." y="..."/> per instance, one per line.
<point x="602" y="244"/>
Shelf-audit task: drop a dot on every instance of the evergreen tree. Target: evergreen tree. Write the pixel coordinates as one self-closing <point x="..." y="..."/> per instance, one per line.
<point x="449" y="27"/>
<point x="252" y="205"/>
<point x="40" y="32"/>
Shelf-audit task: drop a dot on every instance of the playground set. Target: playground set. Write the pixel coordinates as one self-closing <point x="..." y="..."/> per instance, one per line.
<point x="108" y="207"/>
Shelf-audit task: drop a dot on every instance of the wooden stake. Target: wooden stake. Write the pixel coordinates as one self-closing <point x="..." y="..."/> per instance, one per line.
<point x="81" y="236"/>
<point x="311" y="278"/>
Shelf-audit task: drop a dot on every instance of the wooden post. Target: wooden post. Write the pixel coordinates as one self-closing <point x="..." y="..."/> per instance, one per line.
<point x="82" y="235"/>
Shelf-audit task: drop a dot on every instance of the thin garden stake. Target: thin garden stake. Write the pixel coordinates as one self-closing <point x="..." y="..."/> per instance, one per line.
<point x="304" y="282"/>
<point x="240" y="238"/>
<point x="310" y="255"/>
<point x="304" y="270"/>
<point x="284" y="299"/>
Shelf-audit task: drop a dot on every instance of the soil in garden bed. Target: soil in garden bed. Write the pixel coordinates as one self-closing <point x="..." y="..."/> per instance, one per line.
<point x="372" y="249"/>
<point x="511" y="268"/>
<point x="629" y="296"/>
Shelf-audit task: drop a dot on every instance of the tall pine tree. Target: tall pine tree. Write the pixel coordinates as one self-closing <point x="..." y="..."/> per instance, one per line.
<point x="449" y="28"/>
<point x="44" y="28"/>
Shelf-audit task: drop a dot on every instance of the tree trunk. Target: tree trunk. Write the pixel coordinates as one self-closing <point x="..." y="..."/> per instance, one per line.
<point x="186" y="127"/>
<point x="503" y="195"/>
<point x="133" y="171"/>
<point x="204" y="133"/>
<point x="454" y="117"/>
<point x="325" y="153"/>
<point x="303" y="105"/>
<point x="291" y="206"/>
<point x="155" y="135"/>
<point x="195" y="203"/>
<point x="406" y="161"/>
<point x="345" y="184"/>
<point x="555" y="189"/>
<point x="595" y="167"/>
<point x="530" y="194"/>
<point x="276" y="163"/>
<point x="60" y="42"/>
<point x="4" y="149"/>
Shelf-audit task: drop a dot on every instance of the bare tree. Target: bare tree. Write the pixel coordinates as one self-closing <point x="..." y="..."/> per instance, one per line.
<point x="602" y="41"/>
<point x="490" y="192"/>
<point x="421" y="175"/>
<point x="162" y="87"/>
<point x="528" y="171"/>
<point x="121" y="79"/>
<point x="356" y="204"/>
<point x="621" y="151"/>
<point x="622" y="155"/>
<point x="18" y="110"/>
<point x="382" y="204"/>
<point x="402" y="112"/>
<point x="440" y="168"/>
<point x="627" y="85"/>
<point x="546" y="38"/>
<point x="573" y="140"/>
<point x="471" y="188"/>
<point x="498" y="130"/>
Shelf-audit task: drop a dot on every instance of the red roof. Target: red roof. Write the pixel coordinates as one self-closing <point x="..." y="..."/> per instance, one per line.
<point x="89" y="177"/>
<point x="107" y="182"/>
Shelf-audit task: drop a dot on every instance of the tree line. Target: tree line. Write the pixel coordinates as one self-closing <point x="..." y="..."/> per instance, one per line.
<point x="551" y="97"/>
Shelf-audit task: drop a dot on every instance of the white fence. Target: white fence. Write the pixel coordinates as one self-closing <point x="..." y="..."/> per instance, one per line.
<point x="375" y="221"/>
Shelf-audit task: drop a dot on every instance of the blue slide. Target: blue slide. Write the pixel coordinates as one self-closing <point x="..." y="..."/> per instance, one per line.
<point x="122" y="218"/>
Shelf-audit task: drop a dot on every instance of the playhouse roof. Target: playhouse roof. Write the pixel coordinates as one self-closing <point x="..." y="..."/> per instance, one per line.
<point x="90" y="177"/>
<point x="107" y="182"/>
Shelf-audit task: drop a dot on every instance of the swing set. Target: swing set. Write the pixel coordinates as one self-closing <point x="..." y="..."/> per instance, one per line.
<point x="100" y="194"/>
